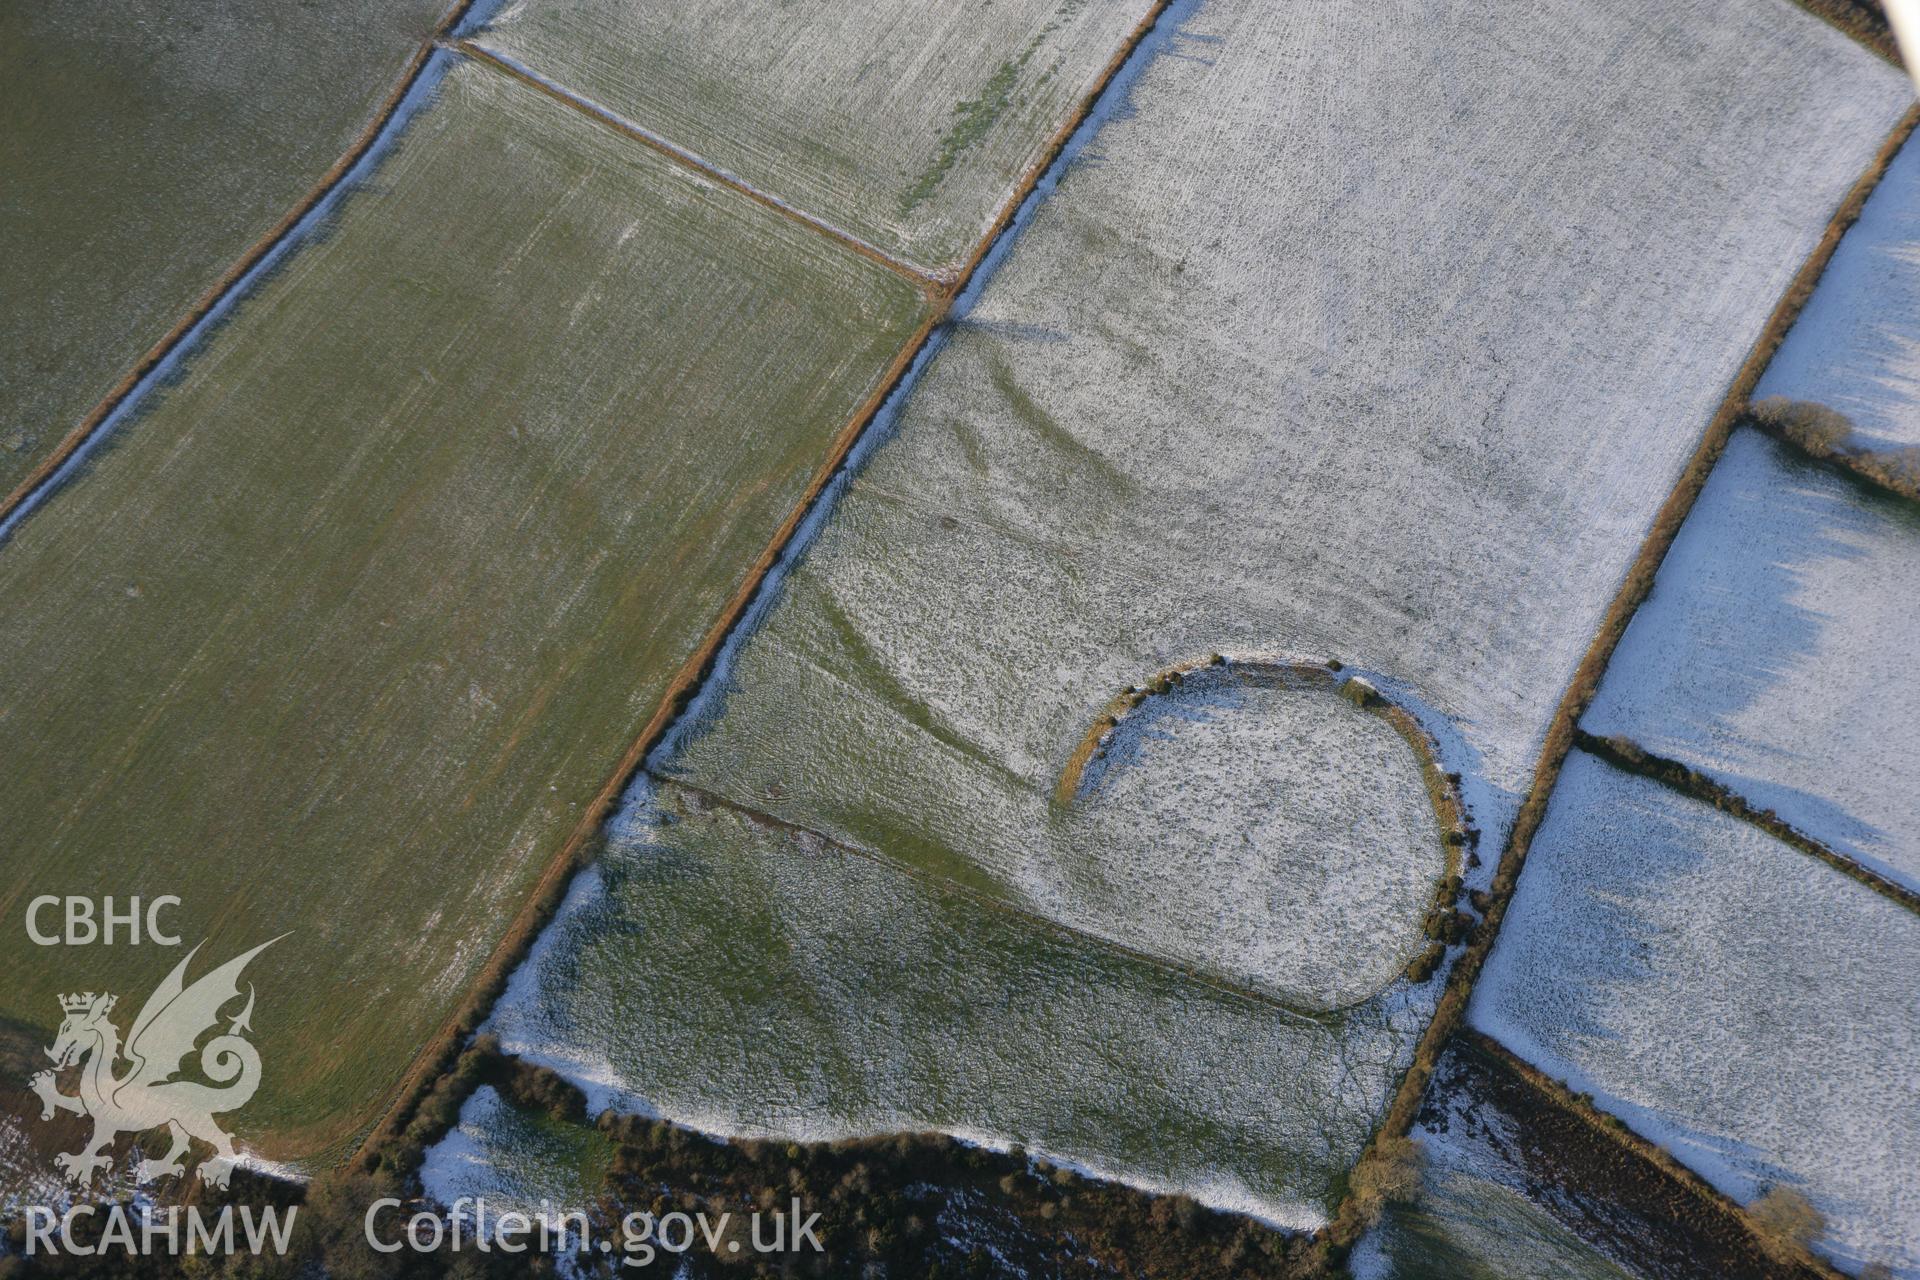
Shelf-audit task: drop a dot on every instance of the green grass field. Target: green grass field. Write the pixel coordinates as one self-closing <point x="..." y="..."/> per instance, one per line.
<point x="346" y="632"/>
<point x="909" y="125"/>
<point x="143" y="148"/>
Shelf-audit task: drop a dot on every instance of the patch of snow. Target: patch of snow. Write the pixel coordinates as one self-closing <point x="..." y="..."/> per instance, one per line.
<point x="1775" y="653"/>
<point x="1742" y="1004"/>
<point x="1856" y="344"/>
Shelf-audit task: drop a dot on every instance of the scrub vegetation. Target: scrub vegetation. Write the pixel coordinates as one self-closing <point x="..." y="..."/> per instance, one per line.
<point x="1828" y="435"/>
<point x="912" y="1204"/>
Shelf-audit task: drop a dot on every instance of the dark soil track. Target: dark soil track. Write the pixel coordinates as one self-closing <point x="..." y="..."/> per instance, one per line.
<point x="1610" y="1186"/>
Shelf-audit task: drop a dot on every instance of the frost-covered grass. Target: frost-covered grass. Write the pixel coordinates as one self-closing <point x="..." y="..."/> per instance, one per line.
<point x="1856" y="345"/>
<point x="1282" y="835"/>
<point x="1265" y="374"/>
<point x="746" y="980"/>
<point x="1270" y="372"/>
<point x="1775" y="653"/>
<point x="517" y="1159"/>
<point x="1742" y="1004"/>
<point x="346" y="631"/>
<point x="145" y="149"/>
<point x="907" y="124"/>
<point x="1274" y="836"/>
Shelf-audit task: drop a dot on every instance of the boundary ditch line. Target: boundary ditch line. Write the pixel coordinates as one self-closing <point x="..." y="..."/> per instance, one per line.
<point x="438" y="1054"/>
<point x="1450" y="1014"/>
<point x="929" y="283"/>
<point x="1628" y="756"/>
<point x="46" y="471"/>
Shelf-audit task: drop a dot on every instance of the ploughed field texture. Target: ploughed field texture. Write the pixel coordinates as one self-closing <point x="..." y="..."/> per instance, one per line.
<point x="1856" y="345"/>
<point x="1775" y="654"/>
<point x="1484" y="1210"/>
<point x="347" y="629"/>
<point x="908" y="125"/>
<point x="143" y="149"/>
<point x="1741" y="1003"/>
<point x="517" y="1159"/>
<point x="748" y="979"/>
<point x="1263" y="377"/>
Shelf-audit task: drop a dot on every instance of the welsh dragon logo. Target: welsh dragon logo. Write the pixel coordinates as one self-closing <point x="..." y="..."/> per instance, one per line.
<point x="146" y="1096"/>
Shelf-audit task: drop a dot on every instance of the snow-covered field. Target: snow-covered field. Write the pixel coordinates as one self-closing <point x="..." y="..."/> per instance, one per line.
<point x="1243" y="384"/>
<point x="1278" y="837"/>
<point x="1742" y="1004"/>
<point x="1282" y="834"/>
<point x="907" y="124"/>
<point x="1776" y="653"/>
<point x="1856" y="345"/>
<point x="743" y="979"/>
<point x="1284" y="366"/>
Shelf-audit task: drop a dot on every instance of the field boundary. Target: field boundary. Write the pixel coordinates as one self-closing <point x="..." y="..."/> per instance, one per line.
<point x="1628" y="756"/>
<point x="545" y="896"/>
<point x="607" y="117"/>
<point x="1860" y="20"/>
<point x="1661" y="1163"/>
<point x="46" y="471"/>
<point x="1012" y="910"/>
<point x="1057" y="144"/>
<point x="544" y="899"/>
<point x="1636" y="585"/>
<point x="1882" y="472"/>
